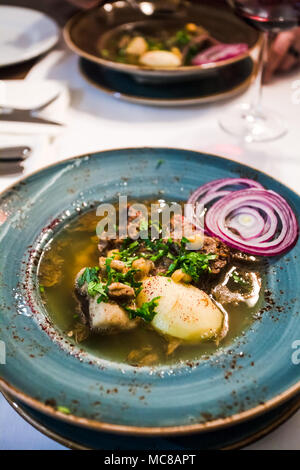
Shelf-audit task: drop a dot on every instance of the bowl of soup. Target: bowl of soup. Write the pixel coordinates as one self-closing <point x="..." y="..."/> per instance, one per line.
<point x="155" y="42"/>
<point x="122" y="312"/>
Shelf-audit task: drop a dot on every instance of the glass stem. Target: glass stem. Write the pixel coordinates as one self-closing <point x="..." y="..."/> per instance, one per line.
<point x="257" y="88"/>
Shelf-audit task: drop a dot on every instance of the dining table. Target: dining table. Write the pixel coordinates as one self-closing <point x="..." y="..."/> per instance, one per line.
<point x="95" y="121"/>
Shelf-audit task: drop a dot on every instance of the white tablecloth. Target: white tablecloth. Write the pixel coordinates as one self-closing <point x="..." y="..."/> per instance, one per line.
<point x="96" y="121"/>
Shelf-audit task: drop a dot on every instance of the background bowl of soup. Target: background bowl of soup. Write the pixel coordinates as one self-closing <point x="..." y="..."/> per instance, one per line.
<point x="97" y="34"/>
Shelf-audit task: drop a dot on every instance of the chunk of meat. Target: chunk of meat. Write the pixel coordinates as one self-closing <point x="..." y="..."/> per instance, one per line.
<point x="214" y="246"/>
<point x="117" y="290"/>
<point x="142" y="357"/>
<point x="224" y="295"/>
<point x="173" y="344"/>
<point x="240" y="256"/>
<point x="108" y="317"/>
<point x="83" y="289"/>
<point x="102" y="245"/>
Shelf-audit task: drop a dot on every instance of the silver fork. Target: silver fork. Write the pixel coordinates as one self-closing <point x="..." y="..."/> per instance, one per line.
<point x="8" y="113"/>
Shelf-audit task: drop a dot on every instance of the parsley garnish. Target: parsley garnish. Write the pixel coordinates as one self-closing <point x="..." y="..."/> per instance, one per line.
<point x="63" y="409"/>
<point x="182" y="38"/>
<point x="192" y="263"/>
<point x="95" y="288"/>
<point x="146" y="311"/>
<point x="239" y="279"/>
<point x="143" y="225"/>
<point x="159" y="163"/>
<point x="127" y="254"/>
<point x="159" y="247"/>
<point x="88" y="275"/>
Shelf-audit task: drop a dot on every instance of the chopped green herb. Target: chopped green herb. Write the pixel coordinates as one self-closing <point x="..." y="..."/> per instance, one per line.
<point x="95" y="288"/>
<point x="146" y="311"/>
<point x="238" y="279"/>
<point x="88" y="275"/>
<point x="182" y="37"/>
<point x="154" y="45"/>
<point x="192" y="263"/>
<point x="42" y="288"/>
<point x="193" y="49"/>
<point x="143" y="226"/>
<point x="159" y="163"/>
<point x="63" y="409"/>
<point x="127" y="255"/>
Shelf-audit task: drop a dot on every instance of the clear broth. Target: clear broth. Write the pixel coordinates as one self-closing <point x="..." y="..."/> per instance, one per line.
<point x="75" y="247"/>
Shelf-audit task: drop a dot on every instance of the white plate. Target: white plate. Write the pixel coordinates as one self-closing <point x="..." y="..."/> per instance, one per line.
<point x="24" y="34"/>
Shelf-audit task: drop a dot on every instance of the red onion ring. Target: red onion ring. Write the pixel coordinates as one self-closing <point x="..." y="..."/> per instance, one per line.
<point x="219" y="52"/>
<point x="211" y="188"/>
<point x="281" y="228"/>
<point x="247" y="232"/>
<point x="215" y="189"/>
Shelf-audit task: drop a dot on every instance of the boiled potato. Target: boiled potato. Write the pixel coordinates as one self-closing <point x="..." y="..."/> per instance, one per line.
<point x="183" y="311"/>
<point x="160" y="59"/>
<point x="137" y="46"/>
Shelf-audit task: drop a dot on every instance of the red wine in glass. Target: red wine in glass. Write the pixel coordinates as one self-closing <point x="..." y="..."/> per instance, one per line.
<point x="252" y="121"/>
<point x="269" y="15"/>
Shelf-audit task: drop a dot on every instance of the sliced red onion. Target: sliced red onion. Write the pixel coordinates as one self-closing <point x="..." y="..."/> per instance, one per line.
<point x="208" y="192"/>
<point x="214" y="186"/>
<point x="198" y="41"/>
<point x="247" y="222"/>
<point x="278" y="235"/>
<point x="219" y="52"/>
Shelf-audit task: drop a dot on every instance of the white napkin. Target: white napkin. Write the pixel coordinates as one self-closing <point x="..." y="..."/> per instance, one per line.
<point x="28" y="94"/>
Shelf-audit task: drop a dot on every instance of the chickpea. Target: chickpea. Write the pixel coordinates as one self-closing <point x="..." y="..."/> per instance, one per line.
<point x="118" y="265"/>
<point x="115" y="264"/>
<point x="102" y="261"/>
<point x="180" y="276"/>
<point x="176" y="51"/>
<point x="144" y="266"/>
<point x="191" y="27"/>
<point x="196" y="241"/>
<point x="113" y="254"/>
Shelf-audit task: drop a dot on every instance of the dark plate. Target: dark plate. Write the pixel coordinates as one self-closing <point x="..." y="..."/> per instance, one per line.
<point x="220" y="84"/>
<point x="234" y="437"/>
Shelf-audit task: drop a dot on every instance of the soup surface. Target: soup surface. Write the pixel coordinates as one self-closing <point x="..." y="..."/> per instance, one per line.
<point x="158" y="44"/>
<point x="76" y="247"/>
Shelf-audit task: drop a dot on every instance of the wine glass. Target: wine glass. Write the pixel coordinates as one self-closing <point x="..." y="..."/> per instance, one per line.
<point x="251" y="121"/>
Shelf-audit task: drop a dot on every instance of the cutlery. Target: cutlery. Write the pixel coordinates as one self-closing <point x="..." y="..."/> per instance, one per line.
<point x="10" y="168"/>
<point x="14" y="154"/>
<point x="8" y="113"/>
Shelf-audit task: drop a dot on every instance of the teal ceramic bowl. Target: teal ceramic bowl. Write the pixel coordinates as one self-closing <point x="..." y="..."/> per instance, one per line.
<point x="257" y="372"/>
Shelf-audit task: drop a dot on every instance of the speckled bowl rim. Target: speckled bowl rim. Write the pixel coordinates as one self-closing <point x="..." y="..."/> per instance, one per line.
<point x="128" y="68"/>
<point x="140" y="430"/>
